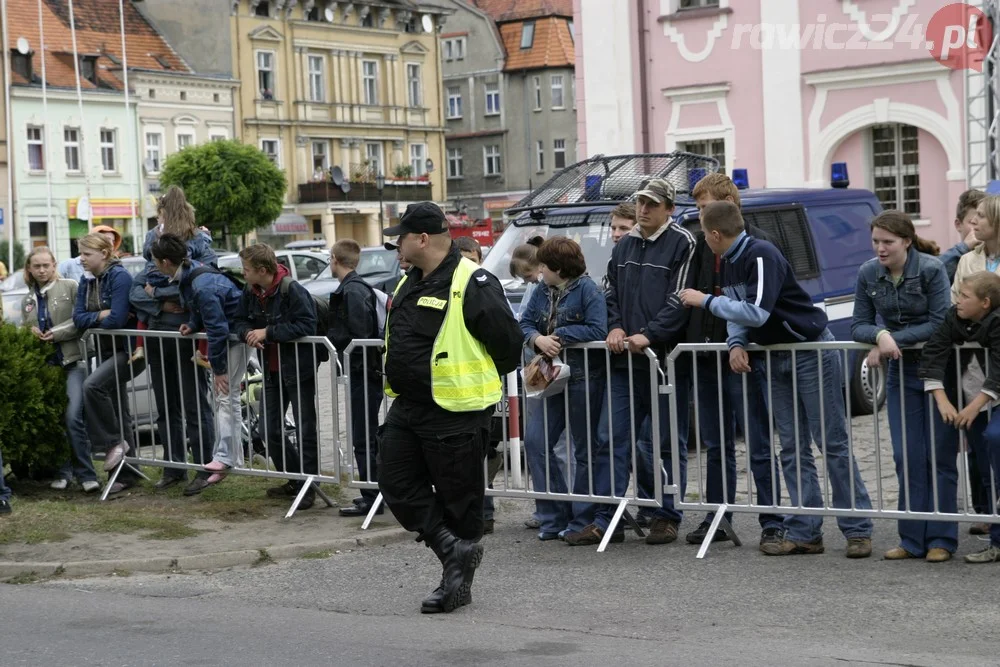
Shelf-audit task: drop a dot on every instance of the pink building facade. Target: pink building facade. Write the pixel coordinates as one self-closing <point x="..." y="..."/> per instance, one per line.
<point x="785" y="88"/>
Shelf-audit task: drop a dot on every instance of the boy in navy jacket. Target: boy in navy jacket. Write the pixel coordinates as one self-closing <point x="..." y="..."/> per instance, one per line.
<point x="764" y="305"/>
<point x="649" y="267"/>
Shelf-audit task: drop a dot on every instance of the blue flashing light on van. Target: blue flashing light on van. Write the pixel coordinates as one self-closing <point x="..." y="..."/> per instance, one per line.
<point x="838" y="175"/>
<point x="824" y="233"/>
<point x="741" y="178"/>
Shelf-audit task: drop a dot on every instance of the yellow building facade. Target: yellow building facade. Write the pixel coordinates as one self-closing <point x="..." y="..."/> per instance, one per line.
<point x="338" y="94"/>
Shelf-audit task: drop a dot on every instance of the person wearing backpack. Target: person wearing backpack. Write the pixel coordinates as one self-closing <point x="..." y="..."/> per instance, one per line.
<point x="212" y="300"/>
<point x="273" y="313"/>
<point x="354" y="316"/>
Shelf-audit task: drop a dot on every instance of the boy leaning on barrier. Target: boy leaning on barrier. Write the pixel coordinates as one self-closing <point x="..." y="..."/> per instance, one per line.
<point x="270" y="317"/>
<point x="211" y="300"/>
<point x="714" y="431"/>
<point x="974" y="319"/>
<point x="765" y="305"/>
<point x="354" y="316"/>
<point x="649" y="267"/>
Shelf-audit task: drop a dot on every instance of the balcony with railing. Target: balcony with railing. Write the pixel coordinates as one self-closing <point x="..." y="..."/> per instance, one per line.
<point x="361" y="182"/>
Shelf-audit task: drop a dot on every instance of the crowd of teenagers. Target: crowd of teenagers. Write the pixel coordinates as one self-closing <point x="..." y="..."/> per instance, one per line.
<point x="664" y="285"/>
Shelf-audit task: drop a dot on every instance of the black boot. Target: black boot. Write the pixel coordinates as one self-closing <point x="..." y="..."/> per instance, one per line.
<point x="459" y="559"/>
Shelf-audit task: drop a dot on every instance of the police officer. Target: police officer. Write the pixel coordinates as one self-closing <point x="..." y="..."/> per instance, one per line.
<point x="450" y="335"/>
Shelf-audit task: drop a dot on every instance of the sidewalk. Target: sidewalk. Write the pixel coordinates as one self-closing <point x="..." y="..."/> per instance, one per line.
<point x="131" y="534"/>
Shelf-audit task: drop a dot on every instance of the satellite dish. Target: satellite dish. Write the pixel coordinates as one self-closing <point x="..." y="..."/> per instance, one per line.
<point x="22" y="46"/>
<point x="427" y="22"/>
<point x="429" y="165"/>
<point x="328" y="14"/>
<point x="345" y="187"/>
<point x="337" y="176"/>
<point x="83" y="208"/>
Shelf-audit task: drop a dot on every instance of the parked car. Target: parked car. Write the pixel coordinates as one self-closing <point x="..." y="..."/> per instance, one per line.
<point x="304" y="265"/>
<point x="378" y="267"/>
<point x="318" y="245"/>
<point x="824" y="233"/>
<point x="13" y="289"/>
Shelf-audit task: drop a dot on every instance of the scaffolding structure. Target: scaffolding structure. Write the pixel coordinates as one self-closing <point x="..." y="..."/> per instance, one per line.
<point x="982" y="111"/>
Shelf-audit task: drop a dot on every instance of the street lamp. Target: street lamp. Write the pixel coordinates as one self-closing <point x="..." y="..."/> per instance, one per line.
<point x="380" y="185"/>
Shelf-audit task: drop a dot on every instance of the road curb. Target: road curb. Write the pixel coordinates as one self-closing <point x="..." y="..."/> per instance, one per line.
<point x="209" y="561"/>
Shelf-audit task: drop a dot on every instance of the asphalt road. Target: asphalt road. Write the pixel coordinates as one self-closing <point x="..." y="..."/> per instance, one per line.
<point x="534" y="604"/>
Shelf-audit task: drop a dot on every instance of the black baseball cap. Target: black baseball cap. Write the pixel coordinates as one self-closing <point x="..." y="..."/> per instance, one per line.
<point x="421" y="218"/>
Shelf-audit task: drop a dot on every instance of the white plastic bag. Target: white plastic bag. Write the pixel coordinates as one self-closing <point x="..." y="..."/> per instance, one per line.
<point x="544" y="377"/>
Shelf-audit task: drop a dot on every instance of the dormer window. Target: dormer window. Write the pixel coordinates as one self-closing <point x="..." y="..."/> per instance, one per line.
<point x="263" y="9"/>
<point x="88" y="69"/>
<point x="368" y="21"/>
<point x="162" y="60"/>
<point x="313" y="14"/>
<point x="21" y="64"/>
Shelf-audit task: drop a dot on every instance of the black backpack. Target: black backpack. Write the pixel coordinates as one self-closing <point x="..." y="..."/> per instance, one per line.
<point x="322" y="308"/>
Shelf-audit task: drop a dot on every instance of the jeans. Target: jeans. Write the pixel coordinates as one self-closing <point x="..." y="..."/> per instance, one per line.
<point x="805" y="398"/>
<point x="181" y="391"/>
<point x="275" y="399"/>
<point x="757" y="434"/>
<point x="81" y="464"/>
<point x="106" y="406"/>
<point x="906" y="396"/>
<point x="430" y="464"/>
<point x="630" y="396"/>
<point x="228" y="418"/>
<point x="991" y="472"/>
<point x="4" y="489"/>
<point x="582" y="399"/>
<point x="366" y="399"/>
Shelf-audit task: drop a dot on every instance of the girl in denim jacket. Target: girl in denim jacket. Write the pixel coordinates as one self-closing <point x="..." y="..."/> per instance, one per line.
<point x="567" y="307"/>
<point x="908" y="289"/>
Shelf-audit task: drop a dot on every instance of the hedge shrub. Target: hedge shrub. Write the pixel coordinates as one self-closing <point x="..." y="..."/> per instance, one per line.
<point x="32" y="405"/>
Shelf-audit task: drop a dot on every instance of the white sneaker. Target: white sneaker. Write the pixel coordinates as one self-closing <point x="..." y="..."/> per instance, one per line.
<point x="59" y="484"/>
<point x="90" y="486"/>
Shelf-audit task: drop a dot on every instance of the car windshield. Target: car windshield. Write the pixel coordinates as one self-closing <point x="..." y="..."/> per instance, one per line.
<point x="371" y="262"/>
<point x="230" y="262"/>
<point x="591" y="231"/>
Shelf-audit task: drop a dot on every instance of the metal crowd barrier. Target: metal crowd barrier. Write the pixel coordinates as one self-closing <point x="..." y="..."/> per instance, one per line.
<point x="859" y="442"/>
<point x="170" y="381"/>
<point x="554" y="477"/>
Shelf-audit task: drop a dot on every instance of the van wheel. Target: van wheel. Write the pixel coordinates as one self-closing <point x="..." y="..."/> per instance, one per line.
<point x="867" y="387"/>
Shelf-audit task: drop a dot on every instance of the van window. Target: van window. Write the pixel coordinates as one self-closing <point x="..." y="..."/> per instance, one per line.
<point x="789" y="227"/>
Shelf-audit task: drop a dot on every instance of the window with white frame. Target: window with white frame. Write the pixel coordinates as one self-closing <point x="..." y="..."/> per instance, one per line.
<point x="184" y="140"/>
<point x="36" y="148"/>
<point x="559" y="153"/>
<point x="415" y="86"/>
<point x="109" y="150"/>
<point x="491" y="161"/>
<point x="715" y="148"/>
<point x="558" y="101"/>
<point x="369" y="78"/>
<point x="454" y="48"/>
<point x="537" y="81"/>
<point x="418" y="159"/>
<point x="317" y="79"/>
<point x="265" y="74"/>
<point x="454" y="102"/>
<point x="540" y="155"/>
<point x="455" y="167"/>
<point x="271" y="148"/>
<point x="373" y="153"/>
<point x="71" y="148"/>
<point x="895" y="150"/>
<point x="321" y="155"/>
<point x="154" y="154"/>
<point x="218" y="135"/>
<point x="493" y="98"/>
<point x="697" y="4"/>
<point x="527" y="34"/>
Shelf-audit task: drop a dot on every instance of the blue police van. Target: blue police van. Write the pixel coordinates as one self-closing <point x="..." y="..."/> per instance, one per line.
<point x="824" y="233"/>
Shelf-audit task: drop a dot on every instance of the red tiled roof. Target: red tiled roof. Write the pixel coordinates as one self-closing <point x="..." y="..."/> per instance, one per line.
<point x="513" y="10"/>
<point x="97" y="32"/>
<point x="552" y="45"/>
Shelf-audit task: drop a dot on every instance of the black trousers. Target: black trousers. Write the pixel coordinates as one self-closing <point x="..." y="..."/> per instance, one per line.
<point x="366" y="399"/>
<point x="277" y="397"/>
<point x="430" y="465"/>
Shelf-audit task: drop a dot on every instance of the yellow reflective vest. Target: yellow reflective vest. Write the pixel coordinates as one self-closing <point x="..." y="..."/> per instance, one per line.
<point x="463" y="375"/>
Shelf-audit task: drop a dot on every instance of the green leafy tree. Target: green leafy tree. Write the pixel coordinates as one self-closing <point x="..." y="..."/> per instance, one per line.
<point x="32" y="405"/>
<point x="18" y="255"/>
<point x="233" y="187"/>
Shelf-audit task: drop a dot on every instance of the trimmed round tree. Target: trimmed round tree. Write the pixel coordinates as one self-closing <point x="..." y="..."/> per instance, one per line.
<point x="233" y="187"/>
